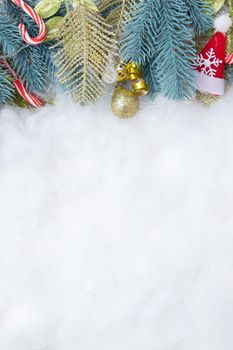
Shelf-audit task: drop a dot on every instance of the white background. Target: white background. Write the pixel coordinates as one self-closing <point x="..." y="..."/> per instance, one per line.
<point x="117" y="235"/>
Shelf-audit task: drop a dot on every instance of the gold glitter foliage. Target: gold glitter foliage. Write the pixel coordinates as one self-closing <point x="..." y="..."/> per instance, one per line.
<point x="85" y="42"/>
<point x="118" y="12"/>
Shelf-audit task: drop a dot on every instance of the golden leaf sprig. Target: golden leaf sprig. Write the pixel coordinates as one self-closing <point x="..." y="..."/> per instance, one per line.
<point x="118" y="12"/>
<point x="84" y="45"/>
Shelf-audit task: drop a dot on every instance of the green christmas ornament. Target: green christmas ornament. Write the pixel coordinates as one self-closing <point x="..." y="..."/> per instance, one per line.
<point x="217" y="4"/>
<point x="53" y="26"/>
<point x="88" y="3"/>
<point x="48" y="8"/>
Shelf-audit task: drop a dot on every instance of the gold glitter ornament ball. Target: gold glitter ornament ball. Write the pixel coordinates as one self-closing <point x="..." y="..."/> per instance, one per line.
<point x="125" y="103"/>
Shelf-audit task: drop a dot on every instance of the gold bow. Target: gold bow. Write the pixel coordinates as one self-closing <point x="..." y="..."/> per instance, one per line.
<point x="132" y="71"/>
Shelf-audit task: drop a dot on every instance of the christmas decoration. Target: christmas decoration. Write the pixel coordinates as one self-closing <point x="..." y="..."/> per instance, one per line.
<point x="40" y="23"/>
<point x="6" y="88"/>
<point x="221" y="7"/>
<point x="132" y="72"/>
<point x="229" y="58"/>
<point x="48" y="8"/>
<point x="16" y="81"/>
<point x="33" y="100"/>
<point x="160" y="35"/>
<point x="210" y="62"/>
<point x="84" y="44"/>
<point x="206" y="99"/>
<point x="29" y="63"/>
<point x="117" y="12"/>
<point x="78" y="45"/>
<point x="125" y="103"/>
<point x="217" y="4"/>
<point x="229" y="48"/>
<point x="53" y="27"/>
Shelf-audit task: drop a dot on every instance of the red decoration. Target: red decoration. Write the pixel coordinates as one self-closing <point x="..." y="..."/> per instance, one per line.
<point x="210" y="65"/>
<point x="33" y="100"/>
<point x="38" y="20"/>
<point x="229" y="59"/>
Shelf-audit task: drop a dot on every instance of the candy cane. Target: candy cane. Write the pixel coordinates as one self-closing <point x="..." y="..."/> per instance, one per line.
<point x="229" y="59"/>
<point x="37" y="19"/>
<point x="33" y="100"/>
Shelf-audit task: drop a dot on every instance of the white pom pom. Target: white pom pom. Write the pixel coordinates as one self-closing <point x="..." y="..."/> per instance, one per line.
<point x="223" y="23"/>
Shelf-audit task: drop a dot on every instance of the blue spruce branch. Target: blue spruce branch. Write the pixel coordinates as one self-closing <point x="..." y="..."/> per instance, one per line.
<point x="151" y="77"/>
<point x="140" y="32"/>
<point x="9" y="33"/>
<point x="175" y="52"/>
<point x="6" y="88"/>
<point x="160" y="36"/>
<point x="32" y="63"/>
<point x="200" y="14"/>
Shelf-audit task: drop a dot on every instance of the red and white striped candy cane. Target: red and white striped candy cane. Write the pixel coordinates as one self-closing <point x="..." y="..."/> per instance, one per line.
<point x="229" y="59"/>
<point x="33" y="100"/>
<point x="37" y="19"/>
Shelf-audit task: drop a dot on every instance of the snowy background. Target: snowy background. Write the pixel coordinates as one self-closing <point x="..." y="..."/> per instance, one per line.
<point x="117" y="235"/>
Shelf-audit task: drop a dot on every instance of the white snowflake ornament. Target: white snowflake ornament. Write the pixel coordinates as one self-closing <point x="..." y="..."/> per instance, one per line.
<point x="209" y="63"/>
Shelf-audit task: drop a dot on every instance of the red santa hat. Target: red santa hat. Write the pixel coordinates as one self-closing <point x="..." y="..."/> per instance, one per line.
<point x="210" y="61"/>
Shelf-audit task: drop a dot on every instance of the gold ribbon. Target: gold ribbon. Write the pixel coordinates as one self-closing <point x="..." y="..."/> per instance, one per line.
<point x="132" y="71"/>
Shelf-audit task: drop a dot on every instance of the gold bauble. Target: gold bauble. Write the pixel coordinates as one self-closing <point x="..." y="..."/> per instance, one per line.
<point x="125" y="103"/>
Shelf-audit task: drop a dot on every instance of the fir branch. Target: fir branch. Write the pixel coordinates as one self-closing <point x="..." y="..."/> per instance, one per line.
<point x="14" y="53"/>
<point x="200" y="13"/>
<point x="140" y="33"/>
<point x="175" y="53"/>
<point x="6" y="88"/>
<point x="159" y="35"/>
<point x="32" y="63"/>
<point x="9" y="33"/>
<point x="151" y="77"/>
<point x="29" y="65"/>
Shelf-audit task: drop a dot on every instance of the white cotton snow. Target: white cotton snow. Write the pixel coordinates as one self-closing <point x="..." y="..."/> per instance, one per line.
<point x="117" y="234"/>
